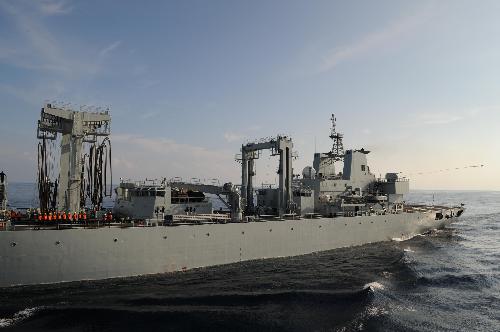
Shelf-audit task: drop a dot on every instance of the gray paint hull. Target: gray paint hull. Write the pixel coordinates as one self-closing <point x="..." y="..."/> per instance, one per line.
<point x="49" y="256"/>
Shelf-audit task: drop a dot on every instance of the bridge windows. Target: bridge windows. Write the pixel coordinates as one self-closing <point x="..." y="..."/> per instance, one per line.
<point x="148" y="192"/>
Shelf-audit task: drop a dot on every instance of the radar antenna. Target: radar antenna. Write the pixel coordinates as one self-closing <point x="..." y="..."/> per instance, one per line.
<point x="337" y="152"/>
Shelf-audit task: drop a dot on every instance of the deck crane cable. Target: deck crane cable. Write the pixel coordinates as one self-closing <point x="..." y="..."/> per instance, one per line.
<point x="42" y="193"/>
<point x="89" y="182"/>
<point x="106" y="144"/>
<point x="47" y="190"/>
<point x="83" y="184"/>
<point x="55" y="183"/>
<point x="98" y="165"/>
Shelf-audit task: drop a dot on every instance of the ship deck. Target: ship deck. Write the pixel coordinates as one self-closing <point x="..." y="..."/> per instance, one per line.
<point x="199" y="219"/>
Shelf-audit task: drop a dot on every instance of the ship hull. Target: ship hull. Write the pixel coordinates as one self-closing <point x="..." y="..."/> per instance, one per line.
<point x="50" y="256"/>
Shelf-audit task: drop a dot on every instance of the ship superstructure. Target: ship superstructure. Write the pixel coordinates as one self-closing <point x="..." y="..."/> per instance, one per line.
<point x="320" y="190"/>
<point x="174" y="200"/>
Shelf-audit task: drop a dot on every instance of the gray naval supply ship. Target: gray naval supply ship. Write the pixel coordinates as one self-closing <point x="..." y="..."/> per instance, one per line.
<point x="170" y="225"/>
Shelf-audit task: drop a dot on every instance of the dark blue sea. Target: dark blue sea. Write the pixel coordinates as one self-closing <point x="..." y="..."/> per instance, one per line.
<point x="445" y="281"/>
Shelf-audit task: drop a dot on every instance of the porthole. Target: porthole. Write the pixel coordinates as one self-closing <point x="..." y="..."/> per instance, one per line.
<point x="115" y="240"/>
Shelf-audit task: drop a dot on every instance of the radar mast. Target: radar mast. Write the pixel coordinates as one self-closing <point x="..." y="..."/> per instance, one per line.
<point x="337" y="152"/>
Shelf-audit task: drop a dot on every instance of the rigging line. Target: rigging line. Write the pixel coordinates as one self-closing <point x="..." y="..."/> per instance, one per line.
<point x="443" y="170"/>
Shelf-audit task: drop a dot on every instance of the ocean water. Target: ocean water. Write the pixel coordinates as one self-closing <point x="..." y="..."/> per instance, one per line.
<point x="448" y="280"/>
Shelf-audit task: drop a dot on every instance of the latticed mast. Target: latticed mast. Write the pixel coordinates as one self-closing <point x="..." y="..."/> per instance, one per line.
<point x="337" y="152"/>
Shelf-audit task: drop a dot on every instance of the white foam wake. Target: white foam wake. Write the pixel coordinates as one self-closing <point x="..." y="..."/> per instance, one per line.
<point x="18" y="317"/>
<point x="374" y="311"/>
<point x="400" y="239"/>
<point x="374" y="285"/>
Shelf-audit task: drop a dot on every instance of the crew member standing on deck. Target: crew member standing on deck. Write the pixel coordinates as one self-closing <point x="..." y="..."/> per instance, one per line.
<point x="2" y="177"/>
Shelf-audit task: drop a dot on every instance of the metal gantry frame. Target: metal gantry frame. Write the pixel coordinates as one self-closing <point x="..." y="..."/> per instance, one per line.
<point x="76" y="128"/>
<point x="282" y="146"/>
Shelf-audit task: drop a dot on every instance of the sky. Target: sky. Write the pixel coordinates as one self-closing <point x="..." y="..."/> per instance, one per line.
<point x="187" y="82"/>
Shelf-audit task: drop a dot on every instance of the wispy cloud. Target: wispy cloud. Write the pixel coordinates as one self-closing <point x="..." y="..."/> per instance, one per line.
<point x="54" y="7"/>
<point x="36" y="47"/>
<point x="61" y="65"/>
<point x="34" y="95"/>
<point x="444" y="117"/>
<point x="392" y="33"/>
<point x="436" y="118"/>
<point x="162" y="157"/>
<point x="233" y="137"/>
<point x="367" y="131"/>
<point x="110" y="48"/>
<point x="6" y="53"/>
<point x="149" y="115"/>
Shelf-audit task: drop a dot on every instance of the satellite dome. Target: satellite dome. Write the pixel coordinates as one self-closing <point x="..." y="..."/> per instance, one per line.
<point x="308" y="172"/>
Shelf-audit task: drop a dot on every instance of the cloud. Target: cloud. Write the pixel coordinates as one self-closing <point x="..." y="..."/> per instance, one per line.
<point x="437" y="118"/>
<point x="430" y="117"/>
<point x="233" y="137"/>
<point x="367" y="131"/>
<point x="33" y="95"/>
<point x="389" y="35"/>
<point x="53" y="7"/>
<point x="122" y="163"/>
<point x="110" y="48"/>
<point x="6" y="53"/>
<point x="61" y="65"/>
<point x="37" y="48"/>
<point x="149" y="115"/>
<point x="245" y="133"/>
<point x="138" y="157"/>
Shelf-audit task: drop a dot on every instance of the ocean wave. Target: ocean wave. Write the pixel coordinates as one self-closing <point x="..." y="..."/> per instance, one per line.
<point x="254" y="298"/>
<point x="465" y="281"/>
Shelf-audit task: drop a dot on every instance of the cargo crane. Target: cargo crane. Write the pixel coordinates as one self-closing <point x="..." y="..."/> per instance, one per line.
<point x="67" y="193"/>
